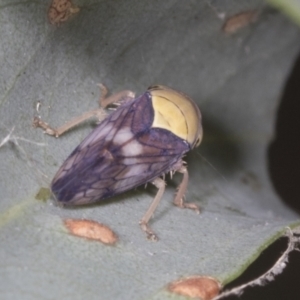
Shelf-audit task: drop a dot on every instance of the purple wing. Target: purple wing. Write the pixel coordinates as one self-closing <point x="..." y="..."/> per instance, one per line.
<point x="121" y="153"/>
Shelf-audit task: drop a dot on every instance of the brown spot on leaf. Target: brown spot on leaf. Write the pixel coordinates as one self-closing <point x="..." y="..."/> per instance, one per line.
<point x="61" y="10"/>
<point x="91" y="230"/>
<point x="202" y="287"/>
<point x="239" y="21"/>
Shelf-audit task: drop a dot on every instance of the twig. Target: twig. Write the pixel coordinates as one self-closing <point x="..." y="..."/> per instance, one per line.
<point x="270" y="275"/>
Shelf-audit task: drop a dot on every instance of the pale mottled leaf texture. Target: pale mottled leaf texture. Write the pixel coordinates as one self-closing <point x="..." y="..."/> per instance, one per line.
<point x="236" y="77"/>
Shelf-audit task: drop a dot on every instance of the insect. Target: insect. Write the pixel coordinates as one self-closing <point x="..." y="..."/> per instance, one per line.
<point x="144" y="138"/>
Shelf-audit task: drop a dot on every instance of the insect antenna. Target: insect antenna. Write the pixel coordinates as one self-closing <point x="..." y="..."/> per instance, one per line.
<point x="212" y="166"/>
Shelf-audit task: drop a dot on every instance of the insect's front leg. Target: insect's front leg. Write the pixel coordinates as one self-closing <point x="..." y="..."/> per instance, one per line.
<point x="179" y="197"/>
<point x="115" y="99"/>
<point x="160" y="184"/>
<point x="38" y="122"/>
<point x="99" y="113"/>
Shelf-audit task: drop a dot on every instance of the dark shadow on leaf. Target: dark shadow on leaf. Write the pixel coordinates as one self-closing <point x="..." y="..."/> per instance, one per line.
<point x="218" y="148"/>
<point x="284" y="151"/>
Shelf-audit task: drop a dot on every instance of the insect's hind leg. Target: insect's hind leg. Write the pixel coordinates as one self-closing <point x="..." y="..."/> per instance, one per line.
<point x="99" y="113"/>
<point x="161" y="185"/>
<point x="179" y="197"/>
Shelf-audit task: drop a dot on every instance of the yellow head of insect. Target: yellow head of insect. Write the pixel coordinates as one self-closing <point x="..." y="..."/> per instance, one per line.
<point x="177" y="113"/>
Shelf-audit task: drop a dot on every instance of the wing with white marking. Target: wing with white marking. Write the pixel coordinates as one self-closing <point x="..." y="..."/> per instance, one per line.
<point x="121" y="153"/>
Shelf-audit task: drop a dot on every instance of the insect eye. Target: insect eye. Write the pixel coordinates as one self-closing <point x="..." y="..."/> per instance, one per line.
<point x="198" y="141"/>
<point x="199" y="138"/>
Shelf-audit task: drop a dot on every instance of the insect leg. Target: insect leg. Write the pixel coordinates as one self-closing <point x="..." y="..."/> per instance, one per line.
<point x="38" y="122"/>
<point x="99" y="113"/>
<point x="160" y="184"/>
<point x="179" y="198"/>
<point x="115" y="99"/>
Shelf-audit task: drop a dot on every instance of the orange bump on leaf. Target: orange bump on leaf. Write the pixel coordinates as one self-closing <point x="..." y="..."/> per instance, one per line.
<point x="239" y="21"/>
<point x="202" y="287"/>
<point x="61" y="10"/>
<point x="91" y="230"/>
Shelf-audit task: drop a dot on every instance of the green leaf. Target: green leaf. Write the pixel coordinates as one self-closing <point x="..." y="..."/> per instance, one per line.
<point x="290" y="7"/>
<point x="236" y="79"/>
